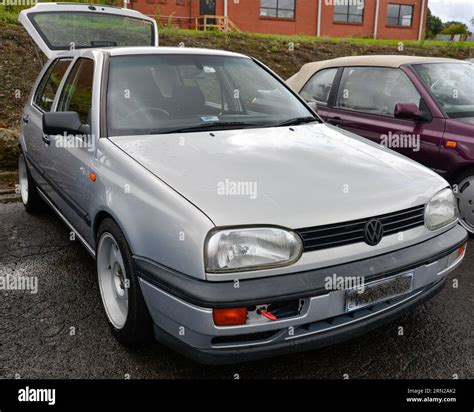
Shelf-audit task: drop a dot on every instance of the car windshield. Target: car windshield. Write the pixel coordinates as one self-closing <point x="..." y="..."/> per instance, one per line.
<point x="153" y="94"/>
<point x="452" y="85"/>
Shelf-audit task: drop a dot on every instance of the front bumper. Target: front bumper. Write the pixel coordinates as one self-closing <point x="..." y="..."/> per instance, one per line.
<point x="181" y="307"/>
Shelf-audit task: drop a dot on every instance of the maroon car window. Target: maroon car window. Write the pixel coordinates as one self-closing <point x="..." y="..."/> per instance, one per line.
<point x="375" y="90"/>
<point x="319" y="86"/>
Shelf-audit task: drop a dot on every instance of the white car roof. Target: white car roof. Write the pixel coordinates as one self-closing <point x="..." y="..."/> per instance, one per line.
<point x="121" y="51"/>
<point x="129" y="51"/>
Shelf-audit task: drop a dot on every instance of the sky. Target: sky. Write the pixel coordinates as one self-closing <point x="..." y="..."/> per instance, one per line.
<point x="459" y="10"/>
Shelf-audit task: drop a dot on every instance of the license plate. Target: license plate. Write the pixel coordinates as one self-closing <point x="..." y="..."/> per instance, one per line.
<point x="378" y="291"/>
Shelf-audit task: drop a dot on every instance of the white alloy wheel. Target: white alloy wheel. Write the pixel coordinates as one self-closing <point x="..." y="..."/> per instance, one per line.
<point x="113" y="281"/>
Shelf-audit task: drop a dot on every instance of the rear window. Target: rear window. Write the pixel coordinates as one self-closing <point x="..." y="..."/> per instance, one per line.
<point x="78" y="30"/>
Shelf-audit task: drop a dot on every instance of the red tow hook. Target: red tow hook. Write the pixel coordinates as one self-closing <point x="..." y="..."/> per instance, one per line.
<point x="268" y="315"/>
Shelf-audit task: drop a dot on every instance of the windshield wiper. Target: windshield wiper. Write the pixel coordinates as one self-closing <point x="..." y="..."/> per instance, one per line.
<point x="209" y="126"/>
<point x="298" y="120"/>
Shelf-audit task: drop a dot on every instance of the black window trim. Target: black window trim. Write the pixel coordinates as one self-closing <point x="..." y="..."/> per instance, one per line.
<point x="276" y="10"/>
<point x="347" y="14"/>
<point x="334" y="106"/>
<point x="399" y="12"/>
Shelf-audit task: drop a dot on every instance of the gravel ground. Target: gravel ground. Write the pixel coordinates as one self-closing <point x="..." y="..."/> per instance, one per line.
<point x="61" y="332"/>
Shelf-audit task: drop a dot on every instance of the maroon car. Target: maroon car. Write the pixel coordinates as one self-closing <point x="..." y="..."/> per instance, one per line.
<point x="421" y="107"/>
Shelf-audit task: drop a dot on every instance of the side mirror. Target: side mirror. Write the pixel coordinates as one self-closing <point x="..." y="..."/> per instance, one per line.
<point x="313" y="105"/>
<point x="55" y="123"/>
<point x="408" y="111"/>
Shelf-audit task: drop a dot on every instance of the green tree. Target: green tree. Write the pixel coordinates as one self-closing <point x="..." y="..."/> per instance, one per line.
<point x="455" y="28"/>
<point x="434" y="25"/>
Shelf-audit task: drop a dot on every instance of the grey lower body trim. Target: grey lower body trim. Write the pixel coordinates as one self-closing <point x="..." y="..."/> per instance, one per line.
<point x="309" y="341"/>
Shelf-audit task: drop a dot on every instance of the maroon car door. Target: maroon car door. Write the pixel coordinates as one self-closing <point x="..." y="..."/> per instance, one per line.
<point x="364" y="103"/>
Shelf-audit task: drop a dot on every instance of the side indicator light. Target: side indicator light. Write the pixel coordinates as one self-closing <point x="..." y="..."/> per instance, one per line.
<point x="461" y="250"/>
<point x="451" y="144"/>
<point x="92" y="177"/>
<point x="230" y="317"/>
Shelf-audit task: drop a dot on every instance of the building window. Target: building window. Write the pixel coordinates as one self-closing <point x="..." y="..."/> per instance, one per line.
<point x="278" y="8"/>
<point x="349" y="13"/>
<point x="400" y="15"/>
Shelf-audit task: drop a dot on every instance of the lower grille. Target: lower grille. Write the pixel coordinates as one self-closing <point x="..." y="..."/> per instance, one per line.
<point x="340" y="234"/>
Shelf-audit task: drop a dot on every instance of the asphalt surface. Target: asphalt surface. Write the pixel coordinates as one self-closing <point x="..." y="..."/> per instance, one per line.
<point x="36" y="339"/>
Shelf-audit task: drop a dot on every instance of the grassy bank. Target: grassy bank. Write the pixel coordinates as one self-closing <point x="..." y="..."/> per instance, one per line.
<point x="313" y="39"/>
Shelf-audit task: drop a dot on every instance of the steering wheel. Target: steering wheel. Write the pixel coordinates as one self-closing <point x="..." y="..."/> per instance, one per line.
<point x="162" y="112"/>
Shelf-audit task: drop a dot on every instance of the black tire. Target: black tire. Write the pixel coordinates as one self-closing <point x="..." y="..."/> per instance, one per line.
<point x="138" y="327"/>
<point x="33" y="202"/>
<point x="457" y="181"/>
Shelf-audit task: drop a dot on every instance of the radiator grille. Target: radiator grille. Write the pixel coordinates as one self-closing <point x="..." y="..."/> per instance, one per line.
<point x="324" y="237"/>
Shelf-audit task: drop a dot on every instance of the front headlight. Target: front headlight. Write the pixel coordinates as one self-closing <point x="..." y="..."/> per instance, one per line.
<point x="441" y="210"/>
<point x="234" y="250"/>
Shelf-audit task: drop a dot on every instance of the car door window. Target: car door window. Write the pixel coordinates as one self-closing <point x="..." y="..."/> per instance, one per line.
<point x="375" y="90"/>
<point x="49" y="84"/>
<point x="319" y="86"/>
<point x="76" y="95"/>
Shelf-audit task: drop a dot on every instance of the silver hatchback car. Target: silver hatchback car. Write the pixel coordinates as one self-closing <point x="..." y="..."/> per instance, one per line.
<point x="225" y="217"/>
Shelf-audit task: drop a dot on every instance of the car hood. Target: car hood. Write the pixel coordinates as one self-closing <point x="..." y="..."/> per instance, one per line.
<point x="295" y="177"/>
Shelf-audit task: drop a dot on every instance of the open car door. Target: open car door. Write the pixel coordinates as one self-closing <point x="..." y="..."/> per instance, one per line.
<point x="58" y="27"/>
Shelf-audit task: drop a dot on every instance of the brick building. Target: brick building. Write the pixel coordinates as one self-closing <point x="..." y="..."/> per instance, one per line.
<point x="382" y="19"/>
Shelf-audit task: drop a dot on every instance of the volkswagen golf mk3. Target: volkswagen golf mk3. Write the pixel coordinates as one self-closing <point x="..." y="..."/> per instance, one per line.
<point x="225" y="217"/>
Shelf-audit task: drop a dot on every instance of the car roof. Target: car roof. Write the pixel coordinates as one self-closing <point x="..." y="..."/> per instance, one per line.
<point x="392" y="61"/>
<point x="119" y="51"/>
<point x="128" y="51"/>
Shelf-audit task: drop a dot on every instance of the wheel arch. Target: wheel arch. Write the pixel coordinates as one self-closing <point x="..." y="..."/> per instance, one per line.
<point x="99" y="217"/>
<point x="459" y="172"/>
